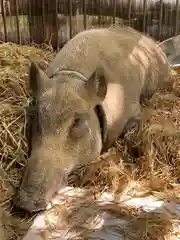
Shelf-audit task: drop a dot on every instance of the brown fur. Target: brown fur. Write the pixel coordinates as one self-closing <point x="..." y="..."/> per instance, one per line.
<point x="122" y="68"/>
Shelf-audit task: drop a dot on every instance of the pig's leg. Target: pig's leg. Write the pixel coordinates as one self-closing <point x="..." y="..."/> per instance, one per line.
<point x="114" y="109"/>
<point x="131" y="121"/>
<point x="120" y="105"/>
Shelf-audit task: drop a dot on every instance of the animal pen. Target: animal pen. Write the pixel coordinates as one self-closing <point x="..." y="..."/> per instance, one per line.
<point x="144" y="165"/>
<point x="57" y="21"/>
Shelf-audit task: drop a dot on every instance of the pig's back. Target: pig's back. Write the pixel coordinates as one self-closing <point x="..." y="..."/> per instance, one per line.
<point x="91" y="48"/>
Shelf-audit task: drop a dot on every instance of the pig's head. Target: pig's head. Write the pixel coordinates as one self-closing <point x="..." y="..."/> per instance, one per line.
<point x="67" y="129"/>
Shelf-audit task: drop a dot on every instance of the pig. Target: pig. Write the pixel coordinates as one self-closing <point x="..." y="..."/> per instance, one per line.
<point x="89" y="95"/>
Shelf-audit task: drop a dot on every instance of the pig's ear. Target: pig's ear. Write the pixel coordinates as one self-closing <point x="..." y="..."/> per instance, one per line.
<point x="96" y="87"/>
<point x="37" y="79"/>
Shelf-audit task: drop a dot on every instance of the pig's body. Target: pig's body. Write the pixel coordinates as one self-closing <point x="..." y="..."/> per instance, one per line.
<point x="132" y="64"/>
<point x="83" y="102"/>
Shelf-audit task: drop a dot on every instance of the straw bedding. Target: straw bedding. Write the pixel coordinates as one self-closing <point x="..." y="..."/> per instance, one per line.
<point x="150" y="156"/>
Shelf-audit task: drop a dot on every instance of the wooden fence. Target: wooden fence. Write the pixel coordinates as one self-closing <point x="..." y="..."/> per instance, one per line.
<point x="56" y="21"/>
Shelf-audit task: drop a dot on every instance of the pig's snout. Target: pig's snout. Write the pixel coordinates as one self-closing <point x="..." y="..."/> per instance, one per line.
<point x="22" y="201"/>
<point x="37" y="195"/>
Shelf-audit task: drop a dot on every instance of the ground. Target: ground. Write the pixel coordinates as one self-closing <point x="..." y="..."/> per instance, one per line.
<point x="150" y="156"/>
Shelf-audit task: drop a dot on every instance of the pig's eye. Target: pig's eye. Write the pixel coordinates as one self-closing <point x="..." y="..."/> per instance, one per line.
<point x="78" y="128"/>
<point x="77" y="122"/>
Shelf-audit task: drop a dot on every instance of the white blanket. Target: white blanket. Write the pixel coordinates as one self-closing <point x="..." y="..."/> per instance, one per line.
<point x="95" y="221"/>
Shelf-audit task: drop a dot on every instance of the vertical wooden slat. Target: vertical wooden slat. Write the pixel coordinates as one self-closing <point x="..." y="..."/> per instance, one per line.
<point x="70" y="18"/>
<point x="84" y="14"/>
<point x="144" y="15"/>
<point x="129" y="11"/>
<point x="99" y="15"/>
<point x="43" y="17"/>
<point x="56" y="25"/>
<point x="160" y="19"/>
<point x="30" y="21"/>
<point x="114" y="11"/>
<point x="4" y="20"/>
<point x="177" y="18"/>
<point x="17" y="21"/>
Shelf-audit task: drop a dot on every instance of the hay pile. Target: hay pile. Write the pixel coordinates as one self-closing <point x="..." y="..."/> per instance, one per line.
<point x="14" y="63"/>
<point x="150" y="157"/>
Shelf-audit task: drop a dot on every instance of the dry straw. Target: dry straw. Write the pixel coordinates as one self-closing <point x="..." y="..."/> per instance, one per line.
<point x="14" y="62"/>
<point x="151" y="156"/>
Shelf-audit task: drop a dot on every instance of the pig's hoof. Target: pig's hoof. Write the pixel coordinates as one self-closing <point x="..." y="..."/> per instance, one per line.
<point x="133" y="124"/>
